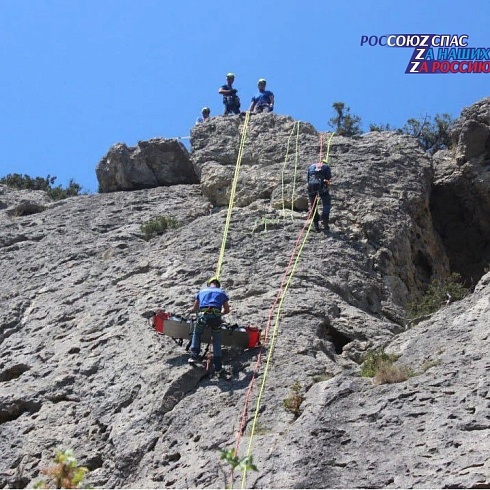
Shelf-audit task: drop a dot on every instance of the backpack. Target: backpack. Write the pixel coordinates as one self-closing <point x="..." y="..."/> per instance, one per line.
<point x="316" y="180"/>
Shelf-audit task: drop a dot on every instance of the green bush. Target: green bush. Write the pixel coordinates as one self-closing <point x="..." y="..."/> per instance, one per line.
<point x="158" y="226"/>
<point x="21" y="182"/>
<point x="432" y="134"/>
<point x="65" y="473"/>
<point x="243" y="464"/>
<point x="439" y="293"/>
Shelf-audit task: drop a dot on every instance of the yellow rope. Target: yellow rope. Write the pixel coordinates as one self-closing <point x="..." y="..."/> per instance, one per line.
<point x="284" y="165"/>
<point x="232" y="195"/>
<point x="295" y="170"/>
<point x="290" y="276"/>
<point x="321" y="147"/>
<point x="328" y="146"/>
<point x="276" y="324"/>
<point x="271" y="347"/>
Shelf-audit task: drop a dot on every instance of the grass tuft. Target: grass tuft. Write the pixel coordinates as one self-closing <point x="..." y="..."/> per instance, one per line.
<point x="158" y="226"/>
<point x="380" y="365"/>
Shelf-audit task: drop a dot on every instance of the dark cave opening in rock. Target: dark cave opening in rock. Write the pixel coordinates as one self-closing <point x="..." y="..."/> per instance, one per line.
<point x="462" y="221"/>
<point x="423" y="266"/>
<point x="338" y="339"/>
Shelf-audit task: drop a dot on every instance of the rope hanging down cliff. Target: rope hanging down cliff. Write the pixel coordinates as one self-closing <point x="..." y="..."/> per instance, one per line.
<point x="232" y="195"/>
<point x="280" y="297"/>
<point x="287" y="278"/>
<point x="295" y="126"/>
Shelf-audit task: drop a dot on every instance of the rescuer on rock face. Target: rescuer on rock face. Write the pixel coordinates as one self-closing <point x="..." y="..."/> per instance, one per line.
<point x="211" y="304"/>
<point x="318" y="179"/>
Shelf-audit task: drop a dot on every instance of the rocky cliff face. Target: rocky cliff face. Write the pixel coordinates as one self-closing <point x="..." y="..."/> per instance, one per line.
<point x="460" y="197"/>
<point x="80" y="366"/>
<point x="153" y="163"/>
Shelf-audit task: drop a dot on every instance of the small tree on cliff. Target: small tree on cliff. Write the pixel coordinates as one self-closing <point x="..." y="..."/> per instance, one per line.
<point x="434" y="134"/>
<point x="344" y="123"/>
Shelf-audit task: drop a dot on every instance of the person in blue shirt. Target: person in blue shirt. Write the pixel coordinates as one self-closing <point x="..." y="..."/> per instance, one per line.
<point x="230" y="97"/>
<point x="205" y="112"/>
<point x="210" y="304"/>
<point x="318" y="180"/>
<point x="264" y="100"/>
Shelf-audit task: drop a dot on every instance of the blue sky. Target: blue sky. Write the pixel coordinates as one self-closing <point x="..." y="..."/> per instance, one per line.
<point x="78" y="76"/>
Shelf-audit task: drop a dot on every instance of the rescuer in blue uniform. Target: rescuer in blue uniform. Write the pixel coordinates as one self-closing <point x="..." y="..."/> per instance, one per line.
<point x="205" y="115"/>
<point x="318" y="179"/>
<point x="230" y="97"/>
<point x="264" y="100"/>
<point x="211" y="304"/>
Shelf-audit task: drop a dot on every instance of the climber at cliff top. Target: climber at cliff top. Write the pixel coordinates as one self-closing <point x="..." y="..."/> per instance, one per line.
<point x="205" y="112"/>
<point x="264" y="100"/>
<point x="230" y="97"/>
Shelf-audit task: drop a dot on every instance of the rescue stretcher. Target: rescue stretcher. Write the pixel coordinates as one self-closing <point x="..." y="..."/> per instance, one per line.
<point x="179" y="327"/>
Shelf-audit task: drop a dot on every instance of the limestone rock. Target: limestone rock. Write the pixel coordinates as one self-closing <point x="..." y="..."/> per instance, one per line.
<point x="81" y="368"/>
<point x="271" y="149"/>
<point x="429" y="431"/>
<point x="23" y="202"/>
<point x="381" y="186"/>
<point x="472" y="132"/>
<point x="153" y="163"/>
<point x="461" y="194"/>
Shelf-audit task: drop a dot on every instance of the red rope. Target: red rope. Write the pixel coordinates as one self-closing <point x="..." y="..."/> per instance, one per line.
<point x="243" y="419"/>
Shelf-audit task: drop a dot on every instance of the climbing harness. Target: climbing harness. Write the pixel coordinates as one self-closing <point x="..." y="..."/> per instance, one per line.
<point x="231" y="102"/>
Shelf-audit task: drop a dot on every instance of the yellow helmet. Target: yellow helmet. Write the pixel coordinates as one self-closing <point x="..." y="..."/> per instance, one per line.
<point x="262" y="80"/>
<point x="214" y="280"/>
<point x="230" y="75"/>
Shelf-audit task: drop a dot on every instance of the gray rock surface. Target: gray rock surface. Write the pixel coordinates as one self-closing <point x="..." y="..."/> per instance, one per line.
<point x="153" y="163"/>
<point x="80" y="366"/>
<point x="461" y="198"/>
<point x="431" y="431"/>
<point x="472" y="132"/>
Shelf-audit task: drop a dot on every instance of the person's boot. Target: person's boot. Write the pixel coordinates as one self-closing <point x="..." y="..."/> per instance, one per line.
<point x="317" y="226"/>
<point x="218" y="365"/>
<point x="326" y="228"/>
